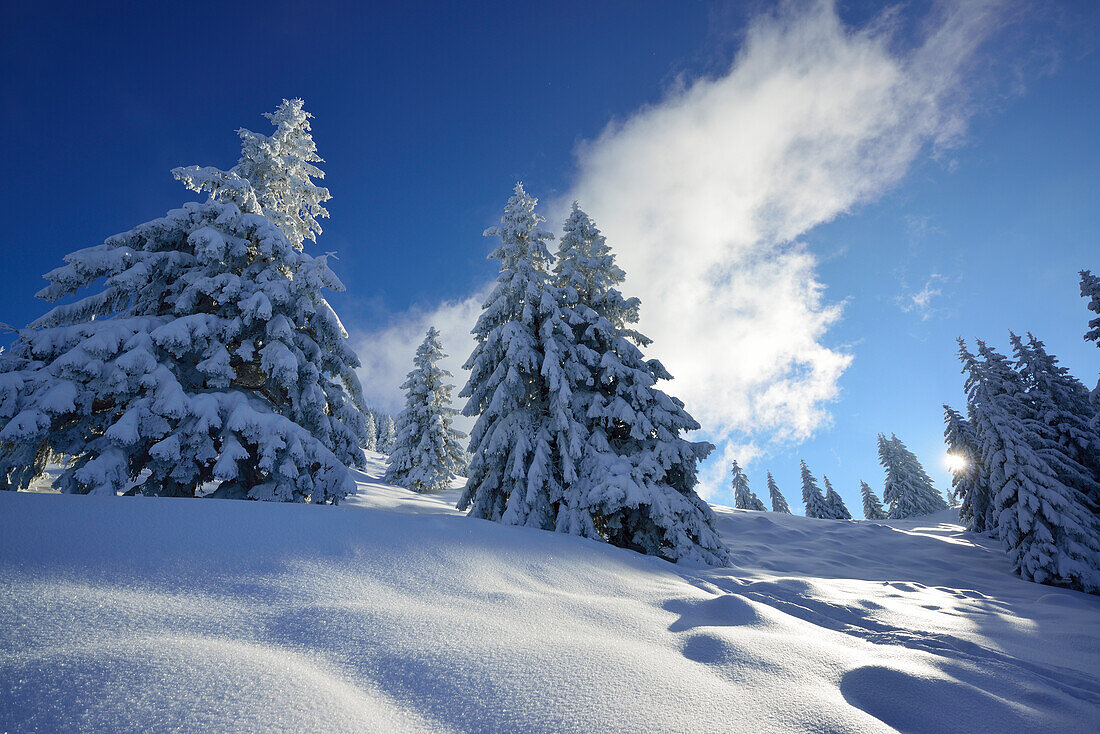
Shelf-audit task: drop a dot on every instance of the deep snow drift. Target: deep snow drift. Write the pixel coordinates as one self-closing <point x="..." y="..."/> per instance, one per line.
<point x="392" y="613"/>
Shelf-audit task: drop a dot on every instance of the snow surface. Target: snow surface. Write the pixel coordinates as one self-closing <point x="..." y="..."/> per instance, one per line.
<point x="392" y="613"/>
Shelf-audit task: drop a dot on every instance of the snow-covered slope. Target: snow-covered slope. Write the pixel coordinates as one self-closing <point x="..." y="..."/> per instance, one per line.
<point x="393" y="613"/>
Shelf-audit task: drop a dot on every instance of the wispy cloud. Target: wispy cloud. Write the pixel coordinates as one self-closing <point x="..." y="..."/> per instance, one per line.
<point x="704" y="197"/>
<point x="921" y="302"/>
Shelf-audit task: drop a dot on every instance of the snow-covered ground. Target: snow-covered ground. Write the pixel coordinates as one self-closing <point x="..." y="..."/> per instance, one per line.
<point x="392" y="613"/>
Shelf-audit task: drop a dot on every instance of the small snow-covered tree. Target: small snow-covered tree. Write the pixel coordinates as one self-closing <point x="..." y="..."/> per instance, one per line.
<point x="812" y="498"/>
<point x="387" y="434"/>
<point x="279" y="170"/>
<point x="834" y="503"/>
<point x="1050" y="534"/>
<point x="636" y="477"/>
<point x="209" y="356"/>
<point x="968" y="481"/>
<point x="377" y="418"/>
<point x="370" y="431"/>
<point x="427" y="453"/>
<point x="909" y="490"/>
<point x="872" y="507"/>
<point x="743" y="497"/>
<point x="779" y="502"/>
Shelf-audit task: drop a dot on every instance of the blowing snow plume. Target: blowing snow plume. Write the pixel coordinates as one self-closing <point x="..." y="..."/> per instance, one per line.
<point x="704" y="195"/>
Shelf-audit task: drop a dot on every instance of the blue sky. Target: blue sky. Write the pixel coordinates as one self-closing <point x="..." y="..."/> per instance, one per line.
<point x="947" y="189"/>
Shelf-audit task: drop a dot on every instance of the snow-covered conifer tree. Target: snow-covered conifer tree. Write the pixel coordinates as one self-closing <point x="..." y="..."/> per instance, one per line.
<point x="209" y="356"/>
<point x="1065" y="419"/>
<point x="834" y="503"/>
<point x="968" y="482"/>
<point x="872" y="508"/>
<point x="779" y="502"/>
<point x="370" y="431"/>
<point x="377" y="417"/>
<point x="1050" y="535"/>
<point x="743" y="497"/>
<point x="811" y="495"/>
<point x="516" y="473"/>
<point x="909" y="490"/>
<point x="387" y="434"/>
<point x="279" y="169"/>
<point x="636" y="484"/>
<point x="1090" y="289"/>
<point x="428" y="451"/>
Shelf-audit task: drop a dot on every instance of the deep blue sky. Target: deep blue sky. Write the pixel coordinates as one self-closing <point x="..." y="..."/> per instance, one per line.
<point x="426" y="116"/>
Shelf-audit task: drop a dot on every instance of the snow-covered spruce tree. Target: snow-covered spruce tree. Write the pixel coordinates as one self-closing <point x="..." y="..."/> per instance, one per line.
<point x="834" y="502"/>
<point x="279" y="169"/>
<point x="209" y="356"/>
<point x="635" y="486"/>
<point x="779" y="502"/>
<point x="968" y="480"/>
<point x="387" y="434"/>
<point x="812" y="498"/>
<point x="428" y="451"/>
<point x="516" y="387"/>
<point x="376" y="419"/>
<point x="743" y="497"/>
<point x="909" y="490"/>
<point x="1066" y="421"/>
<point x="1050" y="535"/>
<point x="1090" y="289"/>
<point x="872" y="508"/>
<point x="370" y="432"/>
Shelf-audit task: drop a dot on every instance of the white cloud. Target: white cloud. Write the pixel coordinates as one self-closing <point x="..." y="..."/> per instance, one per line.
<point x="920" y="302"/>
<point x="705" y="194"/>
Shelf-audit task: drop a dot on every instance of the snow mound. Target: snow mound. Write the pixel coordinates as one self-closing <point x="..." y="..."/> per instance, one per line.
<point x="391" y="613"/>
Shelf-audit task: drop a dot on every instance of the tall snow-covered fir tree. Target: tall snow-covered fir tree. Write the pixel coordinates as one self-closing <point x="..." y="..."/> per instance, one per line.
<point x="779" y="502"/>
<point x="635" y="485"/>
<point x="516" y="473"/>
<point x="209" y="357"/>
<point x="572" y="434"/>
<point x="834" y="503"/>
<point x="968" y="480"/>
<point x="872" y="507"/>
<point x="1050" y="534"/>
<point x="279" y="169"/>
<point x="909" y="490"/>
<point x="1065" y="419"/>
<point x="428" y="451"/>
<point x="743" y="497"/>
<point x="812" y="498"/>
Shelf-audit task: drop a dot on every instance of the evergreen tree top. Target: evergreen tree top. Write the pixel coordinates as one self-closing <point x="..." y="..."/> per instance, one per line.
<point x="872" y="507"/>
<point x="585" y="263"/>
<point x="521" y="240"/>
<point x="1041" y="369"/>
<point x="779" y="502"/>
<point x="274" y="175"/>
<point x="1090" y="289"/>
<point x="429" y="353"/>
